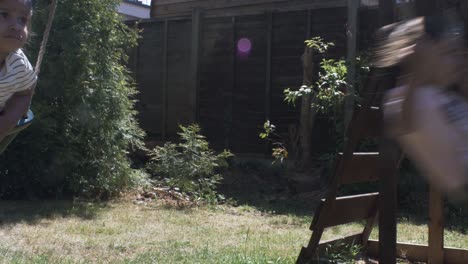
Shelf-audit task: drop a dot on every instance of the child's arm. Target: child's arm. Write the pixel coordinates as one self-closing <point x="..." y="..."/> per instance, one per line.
<point x="14" y="110"/>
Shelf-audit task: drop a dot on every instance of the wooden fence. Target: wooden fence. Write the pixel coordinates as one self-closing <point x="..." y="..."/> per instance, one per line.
<point x="191" y="69"/>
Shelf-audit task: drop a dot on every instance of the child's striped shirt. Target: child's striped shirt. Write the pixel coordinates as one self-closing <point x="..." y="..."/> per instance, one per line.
<point x="16" y="75"/>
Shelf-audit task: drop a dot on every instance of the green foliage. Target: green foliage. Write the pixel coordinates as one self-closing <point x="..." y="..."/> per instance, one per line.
<point x="328" y="90"/>
<point x="84" y="105"/>
<point x="279" y="151"/>
<point x="291" y="96"/>
<point x="319" y="44"/>
<point x="189" y="165"/>
<point x="331" y="84"/>
<point x="268" y="129"/>
<point x="341" y="252"/>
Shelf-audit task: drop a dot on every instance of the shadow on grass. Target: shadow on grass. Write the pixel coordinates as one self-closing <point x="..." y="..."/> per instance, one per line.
<point x="267" y="191"/>
<point x="32" y="212"/>
<point x="273" y="203"/>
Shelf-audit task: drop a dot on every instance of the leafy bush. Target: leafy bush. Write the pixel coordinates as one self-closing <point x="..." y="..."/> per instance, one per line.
<point x="189" y="165"/>
<point x="85" y="117"/>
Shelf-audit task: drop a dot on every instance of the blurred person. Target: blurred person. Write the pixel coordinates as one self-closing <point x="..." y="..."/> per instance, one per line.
<point x="428" y="112"/>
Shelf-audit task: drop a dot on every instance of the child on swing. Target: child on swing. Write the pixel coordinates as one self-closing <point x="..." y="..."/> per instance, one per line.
<point x="17" y="76"/>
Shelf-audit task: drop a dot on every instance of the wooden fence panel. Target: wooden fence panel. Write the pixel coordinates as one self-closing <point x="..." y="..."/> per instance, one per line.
<point x="179" y="107"/>
<point x="229" y="93"/>
<point x="289" y="33"/>
<point x="149" y="77"/>
<point x="249" y="89"/>
<point x="216" y="79"/>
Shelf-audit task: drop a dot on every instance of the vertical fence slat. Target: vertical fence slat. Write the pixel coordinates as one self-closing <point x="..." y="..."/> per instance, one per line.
<point x="309" y="24"/>
<point x="231" y="88"/>
<point x="269" y="39"/>
<point x="194" y="62"/>
<point x="164" y="88"/>
<point x="386" y="12"/>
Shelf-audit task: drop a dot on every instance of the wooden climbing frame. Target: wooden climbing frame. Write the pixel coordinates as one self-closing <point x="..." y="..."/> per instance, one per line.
<point x="358" y="167"/>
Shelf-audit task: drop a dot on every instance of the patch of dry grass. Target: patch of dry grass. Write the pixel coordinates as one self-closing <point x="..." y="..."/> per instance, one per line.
<point x="123" y="232"/>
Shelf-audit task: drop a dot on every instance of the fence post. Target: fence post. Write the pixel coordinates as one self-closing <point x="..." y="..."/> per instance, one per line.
<point x="197" y="16"/>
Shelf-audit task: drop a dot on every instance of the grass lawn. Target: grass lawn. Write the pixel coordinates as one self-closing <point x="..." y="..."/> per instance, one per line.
<point x="124" y="232"/>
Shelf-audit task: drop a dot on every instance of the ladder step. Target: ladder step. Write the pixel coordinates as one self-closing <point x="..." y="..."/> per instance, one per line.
<point x="362" y="167"/>
<point x="345" y="210"/>
<point x="372" y="126"/>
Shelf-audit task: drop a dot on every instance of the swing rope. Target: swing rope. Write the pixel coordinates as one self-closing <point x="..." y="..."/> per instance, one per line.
<point x="45" y="38"/>
<point x="26" y="121"/>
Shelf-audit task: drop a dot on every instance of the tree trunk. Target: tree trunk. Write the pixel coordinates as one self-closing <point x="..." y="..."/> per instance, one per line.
<point x="308" y="112"/>
<point x="351" y="33"/>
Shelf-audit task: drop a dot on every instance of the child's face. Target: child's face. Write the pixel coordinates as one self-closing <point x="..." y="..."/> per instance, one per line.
<point x="14" y="18"/>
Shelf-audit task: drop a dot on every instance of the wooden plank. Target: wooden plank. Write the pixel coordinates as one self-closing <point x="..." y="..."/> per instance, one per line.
<point x="239" y="7"/>
<point x="345" y="210"/>
<point x="412" y="252"/>
<point x="372" y="121"/>
<point x="416" y="252"/>
<point x="455" y="255"/>
<point x="436" y="227"/>
<point x="362" y="167"/>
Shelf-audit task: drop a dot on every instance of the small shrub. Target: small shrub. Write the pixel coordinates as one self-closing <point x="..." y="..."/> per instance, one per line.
<point x="189" y="165"/>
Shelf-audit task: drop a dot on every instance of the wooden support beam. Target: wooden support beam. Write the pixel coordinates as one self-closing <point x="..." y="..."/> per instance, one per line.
<point x="436" y="226"/>
<point x="419" y="253"/>
<point x="346" y="210"/>
<point x="307" y="253"/>
<point x="389" y="161"/>
<point x="362" y="167"/>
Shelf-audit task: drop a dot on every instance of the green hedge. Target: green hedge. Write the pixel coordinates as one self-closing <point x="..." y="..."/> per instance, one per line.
<point x="85" y="117"/>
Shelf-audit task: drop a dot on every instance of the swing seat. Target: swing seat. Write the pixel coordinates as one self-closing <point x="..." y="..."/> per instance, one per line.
<point x="22" y="124"/>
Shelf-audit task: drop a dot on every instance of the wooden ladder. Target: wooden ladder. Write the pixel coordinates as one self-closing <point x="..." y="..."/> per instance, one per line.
<point x="353" y="167"/>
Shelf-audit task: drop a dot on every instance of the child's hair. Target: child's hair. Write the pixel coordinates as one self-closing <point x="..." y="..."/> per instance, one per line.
<point x="28" y="3"/>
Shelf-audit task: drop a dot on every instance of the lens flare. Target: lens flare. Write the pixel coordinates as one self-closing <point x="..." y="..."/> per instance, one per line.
<point x="244" y="45"/>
